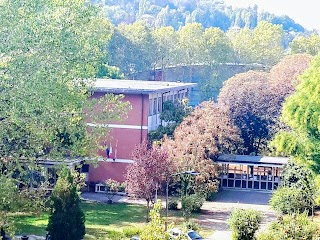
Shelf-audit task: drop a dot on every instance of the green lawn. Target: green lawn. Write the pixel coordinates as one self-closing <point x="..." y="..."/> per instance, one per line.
<point x="102" y="220"/>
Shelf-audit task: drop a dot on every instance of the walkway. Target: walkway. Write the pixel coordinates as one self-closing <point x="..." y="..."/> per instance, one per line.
<point x="216" y="214"/>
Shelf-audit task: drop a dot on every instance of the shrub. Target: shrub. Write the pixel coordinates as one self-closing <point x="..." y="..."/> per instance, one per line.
<point x="244" y="223"/>
<point x="112" y="187"/>
<point x="173" y="204"/>
<point x="122" y="187"/>
<point x="192" y="225"/>
<point x="210" y="196"/>
<point x="292" y="226"/>
<point x="131" y="231"/>
<point x="191" y="204"/>
<point x="290" y="200"/>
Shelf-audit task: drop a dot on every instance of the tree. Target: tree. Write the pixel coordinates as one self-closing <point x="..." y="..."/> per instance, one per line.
<point x="165" y="41"/>
<point x="242" y="45"/>
<point x="199" y="139"/>
<point x="267" y="43"/>
<point x="218" y="48"/>
<point x="171" y="116"/>
<point x="285" y="74"/>
<point x="250" y="101"/>
<point x="191" y="44"/>
<point x="49" y="51"/>
<point x="262" y="45"/>
<point x="301" y="112"/>
<point x="309" y="45"/>
<point x="8" y="203"/>
<point x="66" y="220"/>
<point x="297" y="192"/>
<point x="151" y="167"/>
<point x="132" y="48"/>
<point x="112" y="187"/>
<point x="46" y="61"/>
<point x="292" y="226"/>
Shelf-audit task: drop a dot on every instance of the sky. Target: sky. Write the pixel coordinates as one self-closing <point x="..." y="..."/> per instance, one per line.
<point x="304" y="12"/>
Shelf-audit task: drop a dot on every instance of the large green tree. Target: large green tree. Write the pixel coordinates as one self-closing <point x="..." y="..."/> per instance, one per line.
<point x="309" y="45"/>
<point x="301" y="112"/>
<point x="132" y="48"/>
<point x="262" y="45"/>
<point x="49" y="52"/>
<point x="166" y="41"/>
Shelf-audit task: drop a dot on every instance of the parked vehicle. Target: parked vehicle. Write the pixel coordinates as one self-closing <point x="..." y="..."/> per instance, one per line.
<point x="135" y="238"/>
<point x="191" y="234"/>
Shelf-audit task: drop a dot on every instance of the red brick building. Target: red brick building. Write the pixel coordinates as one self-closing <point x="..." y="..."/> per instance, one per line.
<point x="146" y="99"/>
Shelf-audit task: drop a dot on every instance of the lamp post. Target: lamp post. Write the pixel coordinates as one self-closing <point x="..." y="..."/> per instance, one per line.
<point x="189" y="172"/>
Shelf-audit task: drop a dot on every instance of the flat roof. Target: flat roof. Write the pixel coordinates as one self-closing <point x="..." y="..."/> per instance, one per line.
<point x="138" y="86"/>
<point x="248" y="159"/>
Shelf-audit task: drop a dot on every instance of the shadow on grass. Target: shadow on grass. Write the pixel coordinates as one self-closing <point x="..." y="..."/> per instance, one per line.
<point x="28" y="224"/>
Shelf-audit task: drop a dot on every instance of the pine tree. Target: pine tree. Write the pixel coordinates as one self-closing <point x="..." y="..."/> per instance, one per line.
<point x="67" y="220"/>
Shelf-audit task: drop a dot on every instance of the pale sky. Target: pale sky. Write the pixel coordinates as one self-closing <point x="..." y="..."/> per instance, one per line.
<point x="304" y="12"/>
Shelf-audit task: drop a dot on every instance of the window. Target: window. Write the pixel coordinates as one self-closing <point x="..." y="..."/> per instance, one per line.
<point x="159" y="105"/>
<point x="150" y="107"/>
<point x="154" y="106"/>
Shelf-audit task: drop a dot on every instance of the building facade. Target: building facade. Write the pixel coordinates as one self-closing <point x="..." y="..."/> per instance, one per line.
<point x="146" y="99"/>
<point x="251" y="172"/>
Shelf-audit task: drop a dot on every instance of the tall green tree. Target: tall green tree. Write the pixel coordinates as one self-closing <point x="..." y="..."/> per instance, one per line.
<point x="301" y="112"/>
<point x="218" y="48"/>
<point x="267" y="43"/>
<point x="191" y="44"/>
<point x="132" y="48"/>
<point x="303" y="44"/>
<point x="66" y="220"/>
<point x="166" y="40"/>
<point x="261" y="45"/>
<point x="49" y="52"/>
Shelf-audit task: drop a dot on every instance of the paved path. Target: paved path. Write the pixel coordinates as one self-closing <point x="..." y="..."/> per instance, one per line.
<point x="215" y="214"/>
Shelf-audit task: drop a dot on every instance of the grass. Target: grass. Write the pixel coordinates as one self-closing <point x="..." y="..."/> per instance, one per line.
<point x="102" y="220"/>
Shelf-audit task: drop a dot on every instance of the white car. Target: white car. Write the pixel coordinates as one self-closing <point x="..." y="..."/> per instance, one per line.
<point x="191" y="235"/>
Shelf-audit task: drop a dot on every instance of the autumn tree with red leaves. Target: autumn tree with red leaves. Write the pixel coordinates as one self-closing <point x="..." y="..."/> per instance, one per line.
<point x="207" y="132"/>
<point x="286" y="73"/>
<point x="151" y="167"/>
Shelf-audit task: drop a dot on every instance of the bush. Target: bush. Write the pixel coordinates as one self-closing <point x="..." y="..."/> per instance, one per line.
<point x="173" y="204"/>
<point x="211" y="196"/>
<point x="244" y="223"/>
<point x="131" y="231"/>
<point x="192" y="225"/>
<point x="122" y="187"/>
<point x="291" y="200"/>
<point x="293" y="226"/>
<point x="191" y="204"/>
